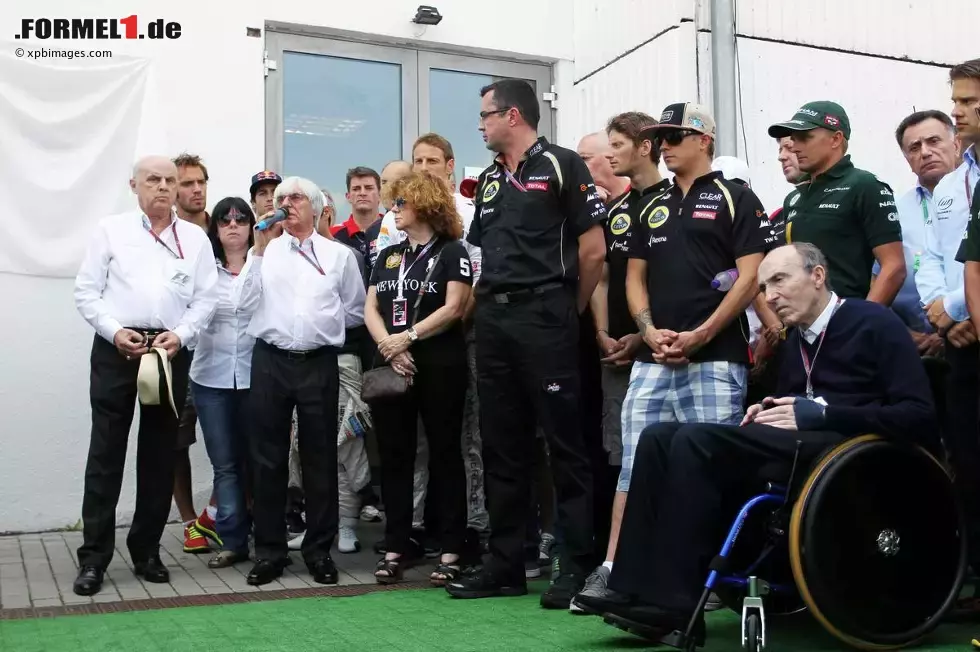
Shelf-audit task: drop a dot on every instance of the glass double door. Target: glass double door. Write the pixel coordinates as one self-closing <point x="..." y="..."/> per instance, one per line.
<point x="332" y="105"/>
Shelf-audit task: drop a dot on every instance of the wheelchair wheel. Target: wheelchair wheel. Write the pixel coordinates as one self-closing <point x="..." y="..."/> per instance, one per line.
<point x="753" y="634"/>
<point x="877" y="543"/>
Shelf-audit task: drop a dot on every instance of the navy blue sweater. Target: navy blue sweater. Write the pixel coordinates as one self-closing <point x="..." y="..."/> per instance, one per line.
<point x="869" y="373"/>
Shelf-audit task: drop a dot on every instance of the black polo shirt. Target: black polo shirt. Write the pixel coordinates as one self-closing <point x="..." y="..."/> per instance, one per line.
<point x="528" y="227"/>
<point x="969" y="250"/>
<point x="624" y="212"/>
<point x="452" y="264"/>
<point x="686" y="242"/>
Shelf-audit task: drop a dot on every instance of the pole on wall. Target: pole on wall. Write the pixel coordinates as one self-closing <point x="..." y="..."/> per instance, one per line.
<point x="723" y="87"/>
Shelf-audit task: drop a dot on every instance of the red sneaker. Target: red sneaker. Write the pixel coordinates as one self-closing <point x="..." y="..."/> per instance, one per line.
<point x="195" y="542"/>
<point x="206" y="525"/>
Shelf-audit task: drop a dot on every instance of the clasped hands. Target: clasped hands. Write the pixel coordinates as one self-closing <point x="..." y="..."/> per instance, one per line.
<point x="959" y="334"/>
<point x="775" y="412"/>
<point x="394" y="349"/>
<point x="673" y="348"/>
<point x="131" y="344"/>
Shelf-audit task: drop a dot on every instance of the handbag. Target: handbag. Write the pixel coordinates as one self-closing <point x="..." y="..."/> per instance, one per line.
<point x="384" y="382"/>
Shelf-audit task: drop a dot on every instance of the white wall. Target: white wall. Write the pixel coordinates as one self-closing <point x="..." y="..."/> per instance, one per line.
<point x="213" y="78"/>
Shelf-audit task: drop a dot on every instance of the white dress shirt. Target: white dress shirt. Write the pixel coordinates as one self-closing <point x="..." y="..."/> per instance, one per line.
<point x="223" y="358"/>
<point x="820" y="323"/>
<point x="390" y="235"/>
<point x="300" y="309"/>
<point x="940" y="274"/>
<point x="128" y="278"/>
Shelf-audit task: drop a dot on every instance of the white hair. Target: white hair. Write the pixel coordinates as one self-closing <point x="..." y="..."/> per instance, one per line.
<point x="328" y="201"/>
<point x="305" y="187"/>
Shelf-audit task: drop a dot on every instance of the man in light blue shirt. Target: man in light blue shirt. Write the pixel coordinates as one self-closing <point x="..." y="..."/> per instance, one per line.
<point x="926" y="140"/>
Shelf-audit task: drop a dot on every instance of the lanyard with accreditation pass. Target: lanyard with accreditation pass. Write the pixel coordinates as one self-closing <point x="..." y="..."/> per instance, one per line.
<point x="312" y="261"/>
<point x="173" y="228"/>
<point x="807" y="363"/>
<point x="399" y="306"/>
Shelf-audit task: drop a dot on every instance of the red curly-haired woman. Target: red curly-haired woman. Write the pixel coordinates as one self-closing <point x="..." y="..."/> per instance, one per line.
<point x="416" y="299"/>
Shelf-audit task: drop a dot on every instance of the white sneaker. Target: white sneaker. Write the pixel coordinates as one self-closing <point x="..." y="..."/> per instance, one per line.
<point x="347" y="541"/>
<point x="296" y="543"/>
<point x="371" y="514"/>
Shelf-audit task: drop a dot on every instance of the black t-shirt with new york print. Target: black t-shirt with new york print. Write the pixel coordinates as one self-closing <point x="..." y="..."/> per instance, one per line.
<point x="451" y="264"/>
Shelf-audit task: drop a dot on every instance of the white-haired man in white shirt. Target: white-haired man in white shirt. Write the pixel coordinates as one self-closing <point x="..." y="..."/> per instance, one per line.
<point x="148" y="281"/>
<point x="434" y="154"/>
<point x="311" y="292"/>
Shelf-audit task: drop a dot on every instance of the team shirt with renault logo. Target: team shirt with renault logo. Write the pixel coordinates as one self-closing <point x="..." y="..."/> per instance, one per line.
<point x="624" y="215"/>
<point x="686" y="241"/>
<point x="527" y="224"/>
<point x="846" y="212"/>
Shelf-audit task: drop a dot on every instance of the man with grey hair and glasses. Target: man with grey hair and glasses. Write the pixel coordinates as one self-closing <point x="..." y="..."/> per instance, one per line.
<point x="310" y="291"/>
<point x="867" y="378"/>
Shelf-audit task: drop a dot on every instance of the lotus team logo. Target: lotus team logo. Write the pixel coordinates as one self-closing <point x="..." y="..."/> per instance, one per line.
<point x="620" y="224"/>
<point x="490" y="191"/>
<point x="658" y="217"/>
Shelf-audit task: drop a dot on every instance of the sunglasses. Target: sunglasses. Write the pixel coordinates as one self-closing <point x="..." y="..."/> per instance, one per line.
<point x="674" y="137"/>
<point x="399" y="202"/>
<point x="235" y="216"/>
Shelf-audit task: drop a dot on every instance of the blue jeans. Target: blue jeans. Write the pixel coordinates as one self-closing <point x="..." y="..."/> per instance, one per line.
<point x="222" y="413"/>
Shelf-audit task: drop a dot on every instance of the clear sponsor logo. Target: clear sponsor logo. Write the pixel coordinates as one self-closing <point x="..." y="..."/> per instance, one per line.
<point x="886" y="192"/>
<point x="619" y="224"/>
<point x="708" y="207"/>
<point x="709" y="196"/>
<point x="539" y="178"/>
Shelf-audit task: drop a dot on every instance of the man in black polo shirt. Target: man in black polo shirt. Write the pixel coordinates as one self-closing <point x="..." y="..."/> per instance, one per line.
<point x="631" y="153"/>
<point x="694" y="365"/>
<point x="538" y="221"/>
<point x="847" y="212"/>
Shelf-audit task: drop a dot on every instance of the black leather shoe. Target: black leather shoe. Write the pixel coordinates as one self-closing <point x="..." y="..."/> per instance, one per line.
<point x="324" y="571"/>
<point x="265" y="571"/>
<point x="152" y="570"/>
<point x="89" y="581"/>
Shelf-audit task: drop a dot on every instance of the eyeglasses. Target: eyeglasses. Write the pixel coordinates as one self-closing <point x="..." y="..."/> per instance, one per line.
<point x="486" y="114"/>
<point x="294" y="198"/>
<point x="399" y="202"/>
<point x="673" y="137"/>
<point x="234" y="216"/>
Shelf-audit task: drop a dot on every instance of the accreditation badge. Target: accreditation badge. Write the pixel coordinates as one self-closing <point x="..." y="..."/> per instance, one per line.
<point x="399" y="312"/>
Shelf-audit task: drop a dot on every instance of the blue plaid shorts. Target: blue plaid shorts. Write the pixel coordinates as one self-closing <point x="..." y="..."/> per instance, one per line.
<point x="701" y="392"/>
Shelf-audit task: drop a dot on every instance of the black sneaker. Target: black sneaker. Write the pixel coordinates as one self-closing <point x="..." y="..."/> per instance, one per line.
<point x="563" y="588"/>
<point x="484" y="585"/>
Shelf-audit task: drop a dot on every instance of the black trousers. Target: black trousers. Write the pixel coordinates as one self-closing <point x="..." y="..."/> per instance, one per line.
<point x="112" y="391"/>
<point x="437" y="394"/>
<point x="689" y="481"/>
<point x="962" y="433"/>
<point x="280" y="383"/>
<point x="603" y="476"/>
<point x="527" y="357"/>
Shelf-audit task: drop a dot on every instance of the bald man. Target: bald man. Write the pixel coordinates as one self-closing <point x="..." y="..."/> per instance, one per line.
<point x="148" y="281"/>
<point x="593" y="149"/>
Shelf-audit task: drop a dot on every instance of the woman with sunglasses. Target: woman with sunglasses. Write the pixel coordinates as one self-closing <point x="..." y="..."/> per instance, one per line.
<point x="416" y="299"/>
<point x="220" y="374"/>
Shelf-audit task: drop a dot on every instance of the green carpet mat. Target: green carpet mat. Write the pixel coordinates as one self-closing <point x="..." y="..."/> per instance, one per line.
<point x="408" y="621"/>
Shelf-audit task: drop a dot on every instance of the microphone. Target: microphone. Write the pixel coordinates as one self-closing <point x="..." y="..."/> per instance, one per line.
<point x="279" y="216"/>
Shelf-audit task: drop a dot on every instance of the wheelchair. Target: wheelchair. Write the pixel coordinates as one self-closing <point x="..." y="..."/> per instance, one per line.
<point x="873" y="546"/>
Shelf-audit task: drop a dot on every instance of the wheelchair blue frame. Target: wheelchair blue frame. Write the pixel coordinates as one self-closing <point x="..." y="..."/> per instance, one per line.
<point x="776" y="496"/>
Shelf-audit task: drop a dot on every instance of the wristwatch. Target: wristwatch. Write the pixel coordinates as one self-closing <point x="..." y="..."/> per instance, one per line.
<point x="412" y="335"/>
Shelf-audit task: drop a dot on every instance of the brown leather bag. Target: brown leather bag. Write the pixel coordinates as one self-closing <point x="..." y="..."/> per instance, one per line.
<point x="384" y="382"/>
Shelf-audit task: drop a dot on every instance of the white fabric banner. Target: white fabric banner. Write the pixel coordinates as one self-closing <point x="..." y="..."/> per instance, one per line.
<point x="70" y="132"/>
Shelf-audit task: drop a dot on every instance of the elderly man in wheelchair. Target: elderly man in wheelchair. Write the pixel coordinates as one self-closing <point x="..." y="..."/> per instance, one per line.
<point x="849" y="513"/>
